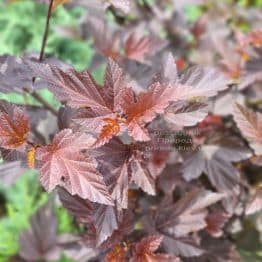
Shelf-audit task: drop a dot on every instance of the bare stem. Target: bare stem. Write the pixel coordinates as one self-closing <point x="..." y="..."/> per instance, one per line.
<point x="44" y="103"/>
<point x="46" y="31"/>
<point x="39" y="99"/>
<point x="41" y="56"/>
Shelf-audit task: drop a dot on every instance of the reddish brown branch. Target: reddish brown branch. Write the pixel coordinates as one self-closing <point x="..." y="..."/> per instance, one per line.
<point x="49" y="14"/>
<point x="39" y="99"/>
<point x="44" y="103"/>
<point x="41" y="56"/>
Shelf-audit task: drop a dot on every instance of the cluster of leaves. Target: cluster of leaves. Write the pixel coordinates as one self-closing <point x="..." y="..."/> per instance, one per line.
<point x="155" y="156"/>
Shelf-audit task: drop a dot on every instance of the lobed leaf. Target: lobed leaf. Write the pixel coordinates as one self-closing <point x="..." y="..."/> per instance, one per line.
<point x="14" y="128"/>
<point x="40" y="241"/>
<point x="144" y="108"/>
<point x="144" y="251"/>
<point x="250" y="124"/>
<point x="61" y="163"/>
<point x="137" y="48"/>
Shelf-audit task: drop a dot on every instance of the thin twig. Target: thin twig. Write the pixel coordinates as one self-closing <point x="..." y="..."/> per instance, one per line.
<point x="41" y="56"/>
<point x="44" y="103"/>
<point x="39" y="99"/>
<point x="46" y="31"/>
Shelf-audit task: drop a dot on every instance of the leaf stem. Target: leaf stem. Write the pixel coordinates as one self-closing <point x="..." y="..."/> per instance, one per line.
<point x="49" y="14"/>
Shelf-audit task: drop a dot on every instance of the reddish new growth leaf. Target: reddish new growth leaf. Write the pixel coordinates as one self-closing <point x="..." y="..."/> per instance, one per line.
<point x="246" y="49"/>
<point x="61" y="163"/>
<point x="215" y="223"/>
<point x="144" y="108"/>
<point x="250" y="124"/>
<point x="14" y="129"/>
<point x="253" y="38"/>
<point x="137" y="48"/>
<point x="137" y="109"/>
<point x="111" y="127"/>
<point x="144" y="251"/>
<point x="117" y="253"/>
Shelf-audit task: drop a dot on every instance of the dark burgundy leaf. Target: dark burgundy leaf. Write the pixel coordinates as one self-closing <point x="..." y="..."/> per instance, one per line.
<point x="103" y="219"/>
<point x="105" y="222"/>
<point x="182" y="246"/>
<point x="40" y="241"/>
<point x="10" y="66"/>
<point x="125" y="227"/>
<point x="80" y="208"/>
<point x="120" y="189"/>
<point x="214" y="160"/>
<point x="142" y="177"/>
<point x="78" y="89"/>
<point x="10" y="172"/>
<point x="65" y="116"/>
<point x="114" y="157"/>
<point x="217" y="250"/>
<point x="188" y="214"/>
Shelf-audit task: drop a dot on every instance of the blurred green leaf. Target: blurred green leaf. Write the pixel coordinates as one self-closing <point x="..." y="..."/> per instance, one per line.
<point x="22" y="25"/>
<point x="65" y="259"/>
<point x="193" y="12"/>
<point x="66" y="221"/>
<point x="99" y="74"/>
<point x="27" y="99"/>
<point x="23" y="199"/>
